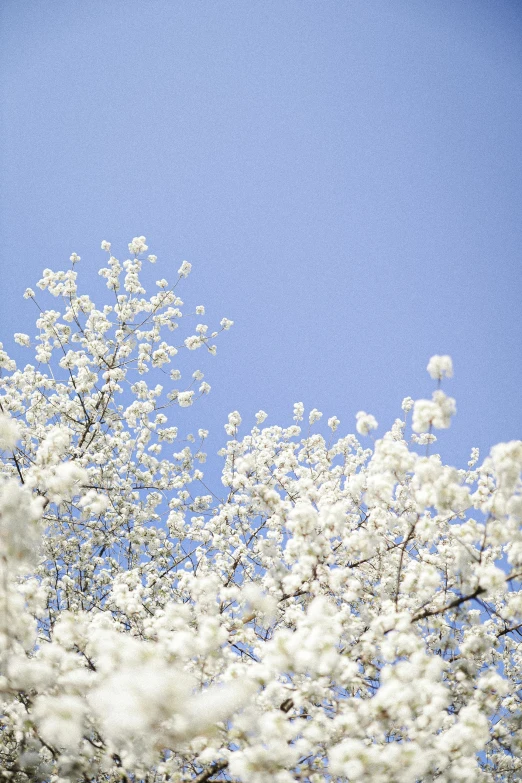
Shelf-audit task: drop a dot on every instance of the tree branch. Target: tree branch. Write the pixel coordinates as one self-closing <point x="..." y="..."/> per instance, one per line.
<point x="216" y="767"/>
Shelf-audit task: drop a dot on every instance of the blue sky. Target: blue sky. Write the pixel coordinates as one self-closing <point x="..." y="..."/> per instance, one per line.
<point x="345" y="178"/>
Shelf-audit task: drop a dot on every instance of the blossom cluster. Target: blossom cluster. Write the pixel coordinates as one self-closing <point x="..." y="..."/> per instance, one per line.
<point x="343" y="607"/>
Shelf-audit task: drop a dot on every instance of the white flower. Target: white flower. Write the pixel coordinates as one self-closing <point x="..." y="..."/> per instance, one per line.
<point x="60" y="719"/>
<point x="507" y="459"/>
<point x="106" y="246"/>
<point x="365" y="422"/>
<point x="185" y="399"/>
<point x="260" y="417"/>
<point x="9" y="432"/>
<point x="491" y="578"/>
<point x="225" y="323"/>
<point x="193" y="342"/>
<point x="298" y="411"/>
<point x="19" y="513"/>
<point x="22" y="339"/>
<point x="184" y="270"/>
<point x="75" y="258"/>
<point x="314" y="416"/>
<point x="133" y="701"/>
<point x="137" y="246"/>
<point x="440" y="367"/>
<point x="66" y="480"/>
<point x="474" y="457"/>
<point x="407" y="404"/>
<point x="333" y="423"/>
<point x="200" y="310"/>
<point x="234" y="420"/>
<point x="93" y="502"/>
<point x="436" y="412"/>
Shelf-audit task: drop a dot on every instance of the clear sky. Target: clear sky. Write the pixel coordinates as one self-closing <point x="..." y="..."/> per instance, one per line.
<point x="344" y="176"/>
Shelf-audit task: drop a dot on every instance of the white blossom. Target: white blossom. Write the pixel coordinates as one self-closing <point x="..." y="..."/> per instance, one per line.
<point x="60" y="719"/>
<point x="440" y="367"/>
<point x="319" y="608"/>
<point x="314" y="416"/>
<point x="436" y="412"/>
<point x="185" y="399"/>
<point x="194" y="342"/>
<point x="184" y="269"/>
<point x="407" y="404"/>
<point x="22" y="339"/>
<point x="9" y="432"/>
<point x="365" y="422"/>
<point x="333" y="423"/>
<point x="137" y="246"/>
<point x="298" y="411"/>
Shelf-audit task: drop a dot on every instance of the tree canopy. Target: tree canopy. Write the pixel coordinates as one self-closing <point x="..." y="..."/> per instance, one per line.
<point x="340" y="608"/>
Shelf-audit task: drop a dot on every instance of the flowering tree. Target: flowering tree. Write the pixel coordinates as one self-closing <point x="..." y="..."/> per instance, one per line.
<point x="335" y="612"/>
